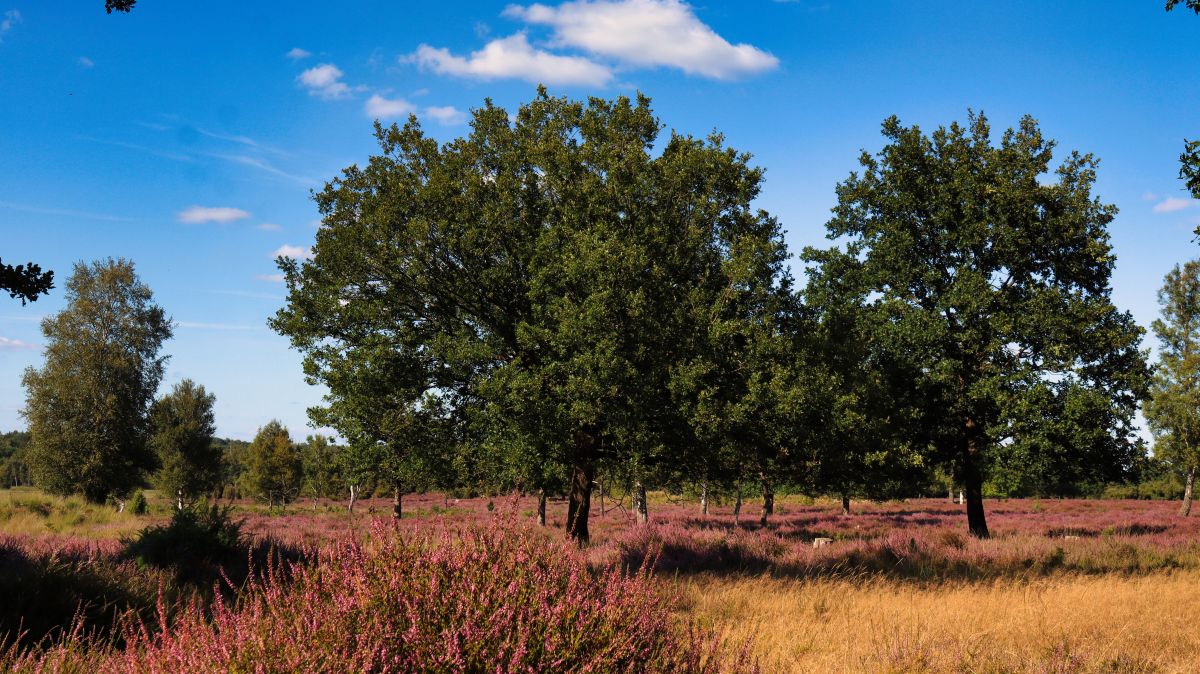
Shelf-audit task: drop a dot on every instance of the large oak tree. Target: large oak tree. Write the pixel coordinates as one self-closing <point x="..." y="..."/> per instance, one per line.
<point x="541" y="275"/>
<point x="991" y="276"/>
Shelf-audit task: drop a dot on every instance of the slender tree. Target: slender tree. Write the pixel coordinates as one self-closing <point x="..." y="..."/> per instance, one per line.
<point x="321" y="466"/>
<point x="88" y="405"/>
<point x="274" y="469"/>
<point x="1173" y="410"/>
<point x="181" y="434"/>
<point x="992" y="282"/>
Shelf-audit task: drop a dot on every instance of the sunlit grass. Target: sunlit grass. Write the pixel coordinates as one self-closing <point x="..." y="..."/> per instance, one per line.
<point x="30" y="512"/>
<point x="1067" y="624"/>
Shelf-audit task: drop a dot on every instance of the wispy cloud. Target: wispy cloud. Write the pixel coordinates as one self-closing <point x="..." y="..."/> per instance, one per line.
<point x="646" y="33"/>
<point x="262" y="165"/>
<point x="241" y="140"/>
<point x="11" y="18"/>
<point x="296" y="53"/>
<point x="513" y="57"/>
<point x="85" y="62"/>
<point x="194" y="325"/>
<point x="324" y="80"/>
<point x="297" y="252"/>
<point x="7" y="344"/>
<point x="1173" y="204"/>
<point x="142" y="148"/>
<point x="203" y="214"/>
<point x="378" y="107"/>
<point x="268" y="227"/>
<point x="269" y="278"/>
<point x="249" y="294"/>
<point x="64" y="212"/>
<point x="23" y="318"/>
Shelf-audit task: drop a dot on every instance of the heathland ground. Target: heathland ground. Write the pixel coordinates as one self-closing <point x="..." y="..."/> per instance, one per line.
<point x="1064" y="586"/>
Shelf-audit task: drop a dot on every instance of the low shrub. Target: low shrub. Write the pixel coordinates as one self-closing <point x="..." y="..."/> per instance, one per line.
<point x="138" y="504"/>
<point x="498" y="599"/>
<point x="46" y="591"/>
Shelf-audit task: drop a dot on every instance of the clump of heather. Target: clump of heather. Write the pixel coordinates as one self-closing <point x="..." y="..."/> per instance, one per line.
<point x="47" y="586"/>
<point x="478" y="599"/>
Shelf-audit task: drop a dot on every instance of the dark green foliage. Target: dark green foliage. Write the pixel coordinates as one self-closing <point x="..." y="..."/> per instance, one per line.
<point x="182" y="427"/>
<point x="273" y="465"/>
<point x="1173" y="410"/>
<point x="45" y="593"/>
<point x="1193" y="5"/>
<point x="26" y="281"/>
<point x="321" y="468"/>
<point x="111" y="6"/>
<point x="994" y="287"/>
<point x="138" y="504"/>
<point x="523" y="298"/>
<point x="88" y="405"/>
<point x="203" y="547"/>
<point x="14" y="472"/>
<point x="195" y="544"/>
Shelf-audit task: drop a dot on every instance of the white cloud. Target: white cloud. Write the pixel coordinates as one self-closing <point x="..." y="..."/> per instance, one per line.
<point x="194" y="325"/>
<point x="1149" y="196"/>
<point x="446" y="115"/>
<point x="270" y="278"/>
<point x="200" y="214"/>
<point x="297" y="53"/>
<point x="268" y="227"/>
<point x="1172" y="204"/>
<point x="513" y="57"/>
<point x="262" y="165"/>
<point x="378" y="107"/>
<point x="11" y="18"/>
<point x="288" y="250"/>
<point x="647" y="33"/>
<point x="7" y="344"/>
<point x="325" y="81"/>
<point x="85" y="62"/>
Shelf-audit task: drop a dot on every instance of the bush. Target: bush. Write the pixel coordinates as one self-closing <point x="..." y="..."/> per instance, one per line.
<point x="138" y="504"/>
<point x="196" y="544"/>
<point x="501" y="599"/>
<point x="46" y="591"/>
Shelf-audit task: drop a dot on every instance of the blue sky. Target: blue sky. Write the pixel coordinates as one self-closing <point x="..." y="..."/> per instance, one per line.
<point x="187" y="135"/>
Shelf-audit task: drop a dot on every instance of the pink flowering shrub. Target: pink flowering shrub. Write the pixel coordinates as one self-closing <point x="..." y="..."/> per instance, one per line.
<point x="479" y="599"/>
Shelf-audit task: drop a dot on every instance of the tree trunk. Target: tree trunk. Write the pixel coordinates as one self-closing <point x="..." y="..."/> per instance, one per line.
<point x="579" y="493"/>
<point x="704" y="499"/>
<point x="640" y="510"/>
<point x="973" y="483"/>
<point x="950" y="496"/>
<point x="768" y="505"/>
<point x="397" y="502"/>
<point x="353" y="497"/>
<point x="541" y="509"/>
<point x="737" y="505"/>
<point x="179" y="499"/>
<point x="845" y="504"/>
<point x="1186" y="508"/>
<point x="600" y="488"/>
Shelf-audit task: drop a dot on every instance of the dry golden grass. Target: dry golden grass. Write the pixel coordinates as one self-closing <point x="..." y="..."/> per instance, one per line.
<point x="30" y="512"/>
<point x="1065" y="625"/>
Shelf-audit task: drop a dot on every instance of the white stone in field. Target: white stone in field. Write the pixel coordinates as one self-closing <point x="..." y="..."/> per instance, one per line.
<point x="822" y="542"/>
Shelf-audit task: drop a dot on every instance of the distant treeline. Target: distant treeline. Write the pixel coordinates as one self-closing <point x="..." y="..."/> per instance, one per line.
<point x="317" y="471"/>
